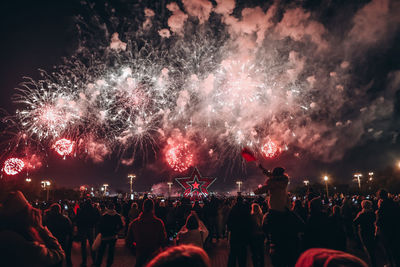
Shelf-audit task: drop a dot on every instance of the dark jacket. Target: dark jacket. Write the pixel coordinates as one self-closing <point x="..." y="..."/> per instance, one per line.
<point x="239" y="223"/>
<point x="110" y="224"/>
<point x="60" y="226"/>
<point x="15" y="250"/>
<point x="282" y="229"/>
<point x="148" y="232"/>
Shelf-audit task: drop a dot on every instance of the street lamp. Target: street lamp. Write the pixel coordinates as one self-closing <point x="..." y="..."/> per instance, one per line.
<point x="105" y="188"/>
<point x="28" y="180"/>
<point x="239" y="183"/>
<point x="131" y="177"/>
<point x="169" y="188"/>
<point x="326" y="185"/>
<point x="358" y="175"/>
<point x="371" y="174"/>
<point x="46" y="186"/>
<point x="306" y="182"/>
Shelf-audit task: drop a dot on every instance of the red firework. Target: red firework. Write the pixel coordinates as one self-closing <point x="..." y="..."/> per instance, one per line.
<point x="64" y="147"/>
<point x="270" y="149"/>
<point x="13" y="166"/>
<point x="179" y="157"/>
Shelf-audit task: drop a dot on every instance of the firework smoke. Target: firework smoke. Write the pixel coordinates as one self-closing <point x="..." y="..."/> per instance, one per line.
<point x="222" y="76"/>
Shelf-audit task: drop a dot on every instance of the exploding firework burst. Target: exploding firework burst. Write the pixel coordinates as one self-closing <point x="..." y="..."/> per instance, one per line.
<point x="13" y="166"/>
<point x="270" y="149"/>
<point x="179" y="157"/>
<point x="64" y="147"/>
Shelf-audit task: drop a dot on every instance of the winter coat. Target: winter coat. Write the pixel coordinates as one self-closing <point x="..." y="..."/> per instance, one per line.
<point x="15" y="250"/>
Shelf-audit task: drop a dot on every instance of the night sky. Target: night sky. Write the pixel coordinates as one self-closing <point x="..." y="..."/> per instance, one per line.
<point x="38" y="34"/>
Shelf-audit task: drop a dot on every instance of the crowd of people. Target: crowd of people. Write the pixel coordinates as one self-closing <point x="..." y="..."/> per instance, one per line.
<point x="287" y="228"/>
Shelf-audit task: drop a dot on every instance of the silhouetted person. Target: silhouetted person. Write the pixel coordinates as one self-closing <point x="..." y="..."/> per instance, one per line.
<point x="181" y="256"/>
<point x="109" y="226"/>
<point x="192" y="232"/>
<point x="348" y="216"/>
<point x="387" y="226"/>
<point x="133" y="212"/>
<point x="257" y="236"/>
<point x="239" y="225"/>
<point x="299" y="209"/>
<point x="337" y="230"/>
<point x="281" y="226"/>
<point x="365" y="221"/>
<point x="61" y="227"/>
<point x="147" y="233"/>
<point x="317" y="233"/>
<point x="23" y="239"/>
<point x="86" y="218"/>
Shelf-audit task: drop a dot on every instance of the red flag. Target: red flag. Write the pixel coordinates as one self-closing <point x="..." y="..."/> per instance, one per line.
<point x="248" y="155"/>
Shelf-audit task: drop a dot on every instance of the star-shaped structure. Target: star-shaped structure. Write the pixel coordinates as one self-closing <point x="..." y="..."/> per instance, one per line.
<point x="195" y="186"/>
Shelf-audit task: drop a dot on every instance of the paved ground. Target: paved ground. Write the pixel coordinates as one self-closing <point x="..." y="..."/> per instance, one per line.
<point x="217" y="251"/>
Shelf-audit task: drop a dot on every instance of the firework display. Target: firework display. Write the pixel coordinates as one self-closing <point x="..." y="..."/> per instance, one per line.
<point x="240" y="80"/>
<point x="13" y="166"/>
<point x="270" y="149"/>
<point x="179" y="158"/>
<point x="64" y="147"/>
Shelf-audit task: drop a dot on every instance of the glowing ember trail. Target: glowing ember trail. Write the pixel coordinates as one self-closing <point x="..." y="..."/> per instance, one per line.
<point x="270" y="149"/>
<point x="64" y="147"/>
<point x="179" y="158"/>
<point x="13" y="166"/>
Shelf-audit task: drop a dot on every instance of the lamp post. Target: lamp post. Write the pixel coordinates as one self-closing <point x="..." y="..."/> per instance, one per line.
<point x="358" y="175"/>
<point x="46" y="186"/>
<point x="239" y="183"/>
<point x="371" y="174"/>
<point x="131" y="177"/>
<point x="326" y="185"/>
<point x="169" y="188"/>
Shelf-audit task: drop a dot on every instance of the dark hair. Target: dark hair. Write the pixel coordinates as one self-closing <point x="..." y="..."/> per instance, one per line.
<point x="191" y="222"/>
<point x="55" y="208"/>
<point x="383" y="194"/>
<point x="110" y="206"/>
<point x="181" y="256"/>
<point x="148" y="205"/>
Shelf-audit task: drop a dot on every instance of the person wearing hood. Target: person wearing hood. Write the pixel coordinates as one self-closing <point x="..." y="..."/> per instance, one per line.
<point x="193" y="232"/>
<point x="109" y="226"/>
<point x="147" y="233"/>
<point x="24" y="241"/>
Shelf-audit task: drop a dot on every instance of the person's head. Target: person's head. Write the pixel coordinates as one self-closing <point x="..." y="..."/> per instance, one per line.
<point x="383" y="194"/>
<point x="192" y="223"/>
<point x="366" y="205"/>
<point x="134" y="205"/>
<point x="239" y="200"/>
<point x="17" y="214"/>
<point x="316" y="205"/>
<point x="255" y="209"/>
<point x="181" y="256"/>
<point x="110" y="206"/>
<point x="55" y="208"/>
<point x="327" y="257"/>
<point x="148" y="206"/>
